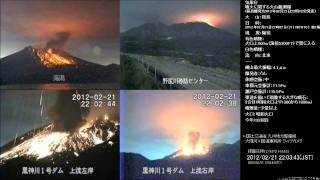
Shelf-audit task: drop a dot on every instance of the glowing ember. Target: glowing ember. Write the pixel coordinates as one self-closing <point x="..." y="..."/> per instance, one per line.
<point x="47" y="142"/>
<point x="193" y="145"/>
<point x="50" y="59"/>
<point x="44" y="145"/>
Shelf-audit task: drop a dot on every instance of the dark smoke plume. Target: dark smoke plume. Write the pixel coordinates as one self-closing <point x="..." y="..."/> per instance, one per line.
<point x="57" y="42"/>
<point x="66" y="114"/>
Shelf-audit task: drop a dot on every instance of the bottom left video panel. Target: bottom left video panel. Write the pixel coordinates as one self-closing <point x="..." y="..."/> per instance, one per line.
<point x="59" y="134"/>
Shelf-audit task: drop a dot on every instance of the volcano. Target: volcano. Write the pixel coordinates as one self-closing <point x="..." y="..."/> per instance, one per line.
<point x="223" y="158"/>
<point x="95" y="144"/>
<point x="191" y="37"/>
<point x="45" y="65"/>
<point x="198" y="42"/>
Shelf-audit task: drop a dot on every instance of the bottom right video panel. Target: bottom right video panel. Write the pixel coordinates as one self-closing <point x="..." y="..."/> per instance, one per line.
<point x="181" y="134"/>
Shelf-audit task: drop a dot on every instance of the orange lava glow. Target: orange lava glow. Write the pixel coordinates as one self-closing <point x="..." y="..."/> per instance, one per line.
<point x="48" y="142"/>
<point x="193" y="145"/>
<point x="50" y="59"/>
<point x="178" y="119"/>
<point x="209" y="18"/>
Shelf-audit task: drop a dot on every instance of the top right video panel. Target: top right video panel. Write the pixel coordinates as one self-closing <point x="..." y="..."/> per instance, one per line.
<point x="193" y="44"/>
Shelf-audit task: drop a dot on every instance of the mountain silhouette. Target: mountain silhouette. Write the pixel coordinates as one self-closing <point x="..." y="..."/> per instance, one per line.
<point x="193" y="37"/>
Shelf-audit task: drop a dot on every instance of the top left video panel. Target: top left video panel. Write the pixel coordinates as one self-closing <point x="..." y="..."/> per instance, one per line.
<point x="60" y="44"/>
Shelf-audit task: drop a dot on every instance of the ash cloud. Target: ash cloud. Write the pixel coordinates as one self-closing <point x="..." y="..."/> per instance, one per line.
<point x="66" y="114"/>
<point x="58" y="41"/>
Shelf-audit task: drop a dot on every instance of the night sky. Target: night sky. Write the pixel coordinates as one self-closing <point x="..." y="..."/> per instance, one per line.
<point x="153" y="122"/>
<point x="223" y="14"/>
<point x="93" y="25"/>
<point x="21" y="110"/>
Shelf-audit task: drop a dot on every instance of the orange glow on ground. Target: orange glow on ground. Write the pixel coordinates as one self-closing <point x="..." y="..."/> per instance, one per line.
<point x="50" y="59"/>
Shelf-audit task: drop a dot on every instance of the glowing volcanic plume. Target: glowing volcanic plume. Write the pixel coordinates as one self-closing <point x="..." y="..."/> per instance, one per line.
<point x="190" y="126"/>
<point x="49" y="56"/>
<point x="193" y="145"/>
<point x="209" y="18"/>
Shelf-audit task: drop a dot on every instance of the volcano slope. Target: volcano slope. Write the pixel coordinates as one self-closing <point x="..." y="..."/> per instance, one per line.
<point x="28" y="67"/>
<point x="95" y="145"/>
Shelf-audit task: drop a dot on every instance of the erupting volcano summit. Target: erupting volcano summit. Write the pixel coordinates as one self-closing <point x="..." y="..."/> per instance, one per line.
<point x="42" y="65"/>
<point x="51" y="59"/>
